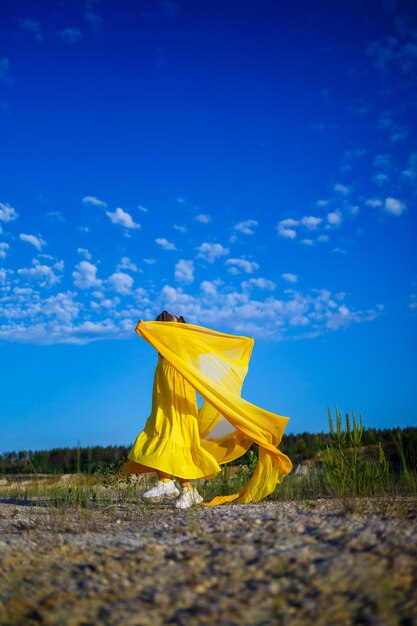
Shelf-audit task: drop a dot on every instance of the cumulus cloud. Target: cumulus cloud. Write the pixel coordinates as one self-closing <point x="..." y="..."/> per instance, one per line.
<point x="123" y="218"/>
<point x="93" y="201"/>
<point x="44" y="274"/>
<point x="85" y="253"/>
<point x="209" y="287"/>
<point x="211" y="251"/>
<point x="165" y="244"/>
<point x="85" y="275"/>
<point x="342" y="189"/>
<point x="311" y="222"/>
<point x="246" y="227"/>
<point x="184" y="271"/>
<point x="288" y="233"/>
<point x="126" y="264"/>
<point x="120" y="282"/>
<point x="37" y="242"/>
<point x="70" y="35"/>
<point x="203" y="218"/>
<point x="305" y="315"/>
<point x="180" y="227"/>
<point x="3" y="249"/>
<point x="7" y="213"/>
<point x="375" y="203"/>
<point x="290" y="278"/>
<point x="286" y="228"/>
<point x="394" y="206"/>
<point x="236" y="266"/>
<point x="334" y="218"/>
<point x="260" y="283"/>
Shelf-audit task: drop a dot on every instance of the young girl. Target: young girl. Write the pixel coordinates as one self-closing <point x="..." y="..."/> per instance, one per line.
<point x="179" y="440"/>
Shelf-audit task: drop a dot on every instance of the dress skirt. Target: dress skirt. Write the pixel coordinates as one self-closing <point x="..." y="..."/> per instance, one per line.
<point x="170" y="441"/>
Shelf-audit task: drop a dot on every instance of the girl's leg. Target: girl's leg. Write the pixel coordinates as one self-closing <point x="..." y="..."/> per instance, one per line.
<point x="185" y="483"/>
<point x="162" y="476"/>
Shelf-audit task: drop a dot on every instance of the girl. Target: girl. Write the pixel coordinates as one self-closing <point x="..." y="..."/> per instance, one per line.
<point x="188" y="443"/>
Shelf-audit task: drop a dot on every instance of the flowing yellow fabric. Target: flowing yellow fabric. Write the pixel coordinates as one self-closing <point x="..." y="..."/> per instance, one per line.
<point x="186" y="442"/>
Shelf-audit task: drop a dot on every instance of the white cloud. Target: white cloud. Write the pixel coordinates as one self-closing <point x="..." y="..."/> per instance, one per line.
<point x="286" y="228"/>
<point x="394" y="206"/>
<point x="373" y="202"/>
<point x="180" y="228"/>
<point x="323" y="238"/>
<point x="3" y="249"/>
<point x="342" y="189"/>
<point x="288" y="223"/>
<point x="93" y="201"/>
<point x="70" y="35"/>
<point x="203" y="218"/>
<point x="241" y="265"/>
<point x="260" y="283"/>
<point x="290" y="278"/>
<point x="85" y="253"/>
<point x="123" y="218"/>
<point x="149" y="261"/>
<point x="307" y="242"/>
<point x="288" y="233"/>
<point x="120" y="282"/>
<point x="246" y="227"/>
<point x="334" y="218"/>
<point x="7" y="213"/>
<point x="37" y="242"/>
<point x="209" y="287"/>
<point x="85" y="275"/>
<point x="211" y="251"/>
<point x="311" y="222"/>
<point x="44" y="274"/>
<point x="126" y="264"/>
<point x="184" y="271"/>
<point x="165" y="244"/>
<point x="301" y="315"/>
<point x="142" y="208"/>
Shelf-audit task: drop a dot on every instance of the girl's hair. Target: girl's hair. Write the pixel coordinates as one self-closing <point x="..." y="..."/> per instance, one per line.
<point x="169" y="317"/>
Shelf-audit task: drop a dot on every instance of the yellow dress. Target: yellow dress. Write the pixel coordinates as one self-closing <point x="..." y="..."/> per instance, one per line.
<point x="186" y="442"/>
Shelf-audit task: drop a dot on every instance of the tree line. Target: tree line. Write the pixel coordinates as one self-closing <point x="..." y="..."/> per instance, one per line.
<point x="300" y="447"/>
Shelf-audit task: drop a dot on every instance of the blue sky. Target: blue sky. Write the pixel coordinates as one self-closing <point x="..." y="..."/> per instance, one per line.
<point x="250" y="165"/>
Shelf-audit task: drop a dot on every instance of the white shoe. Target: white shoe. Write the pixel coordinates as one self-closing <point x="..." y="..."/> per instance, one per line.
<point x="161" y="490"/>
<point x="187" y="498"/>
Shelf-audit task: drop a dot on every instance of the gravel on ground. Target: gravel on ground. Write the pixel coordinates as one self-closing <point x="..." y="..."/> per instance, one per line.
<point x="324" y="562"/>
